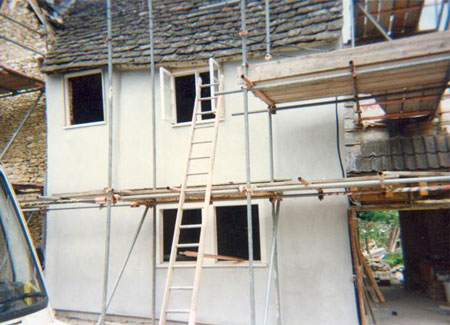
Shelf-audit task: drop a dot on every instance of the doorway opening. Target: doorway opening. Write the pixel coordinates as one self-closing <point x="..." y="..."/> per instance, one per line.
<point x="408" y="253"/>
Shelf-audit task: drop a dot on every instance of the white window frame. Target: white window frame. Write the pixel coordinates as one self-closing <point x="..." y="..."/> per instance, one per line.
<point x="170" y="114"/>
<point x="160" y="232"/>
<point x="67" y="101"/>
<point x="211" y="235"/>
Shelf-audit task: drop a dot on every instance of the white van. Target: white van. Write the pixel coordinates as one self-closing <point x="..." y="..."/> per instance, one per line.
<point x="23" y="297"/>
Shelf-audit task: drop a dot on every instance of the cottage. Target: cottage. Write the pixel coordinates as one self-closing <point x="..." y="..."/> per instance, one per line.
<point x="194" y="39"/>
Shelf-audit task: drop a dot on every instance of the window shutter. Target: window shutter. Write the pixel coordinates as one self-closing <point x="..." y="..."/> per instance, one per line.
<point x="167" y="93"/>
<point x="216" y="80"/>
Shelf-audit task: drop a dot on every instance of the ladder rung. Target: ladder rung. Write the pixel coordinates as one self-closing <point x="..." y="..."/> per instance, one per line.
<point x="207" y="112"/>
<point x="190" y="226"/>
<point x="197" y="174"/>
<point x="178" y="311"/>
<point x="181" y="288"/>
<point x="209" y="85"/>
<point x="208" y="98"/>
<point x="201" y="142"/>
<point x="188" y="245"/>
<point x="200" y="157"/>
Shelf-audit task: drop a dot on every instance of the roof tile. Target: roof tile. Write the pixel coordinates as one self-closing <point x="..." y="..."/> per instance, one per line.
<point x="433" y="160"/>
<point x="407" y="145"/>
<point x="430" y="144"/>
<point x="421" y="161"/>
<point x="418" y="144"/>
<point x="401" y="153"/>
<point x="442" y="143"/>
<point x="184" y="32"/>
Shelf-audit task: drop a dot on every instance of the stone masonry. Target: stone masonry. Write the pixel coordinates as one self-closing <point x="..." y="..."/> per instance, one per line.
<point x="25" y="161"/>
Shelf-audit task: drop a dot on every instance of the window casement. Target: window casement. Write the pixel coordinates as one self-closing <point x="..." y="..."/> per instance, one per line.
<point x="190" y="235"/>
<point x="227" y="234"/>
<point x="178" y="92"/>
<point x="84" y="98"/>
<point x="232" y="233"/>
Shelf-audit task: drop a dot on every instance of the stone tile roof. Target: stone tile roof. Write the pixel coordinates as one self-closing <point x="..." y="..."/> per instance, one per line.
<point x="185" y="33"/>
<point x="403" y="154"/>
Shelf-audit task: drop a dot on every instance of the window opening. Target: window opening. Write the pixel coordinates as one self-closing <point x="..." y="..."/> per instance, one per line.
<point x="232" y="233"/>
<point x="188" y="235"/>
<point x="85" y="99"/>
<point x="185" y="87"/>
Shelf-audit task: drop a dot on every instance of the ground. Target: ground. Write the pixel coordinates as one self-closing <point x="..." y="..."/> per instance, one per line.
<point x="410" y="308"/>
<point x="401" y="308"/>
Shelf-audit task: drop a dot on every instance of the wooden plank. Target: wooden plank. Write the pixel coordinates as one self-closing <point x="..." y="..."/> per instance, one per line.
<point x="399" y="17"/>
<point x="217" y="257"/>
<point x="368" y="306"/>
<point x="366" y="82"/>
<point x="412" y="17"/>
<point x="356" y="267"/>
<point x="359" y="21"/>
<point x="397" y="50"/>
<point x="385" y="14"/>
<point x="371" y="31"/>
<point x="372" y="281"/>
<point x="371" y="83"/>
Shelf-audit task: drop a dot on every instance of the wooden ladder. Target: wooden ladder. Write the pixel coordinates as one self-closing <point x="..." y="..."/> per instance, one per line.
<point x="170" y="289"/>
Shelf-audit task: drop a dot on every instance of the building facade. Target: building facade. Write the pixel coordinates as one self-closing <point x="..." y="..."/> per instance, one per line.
<point x="315" y="266"/>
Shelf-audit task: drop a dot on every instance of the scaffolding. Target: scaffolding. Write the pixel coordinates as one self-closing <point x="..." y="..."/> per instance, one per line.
<point x="418" y="185"/>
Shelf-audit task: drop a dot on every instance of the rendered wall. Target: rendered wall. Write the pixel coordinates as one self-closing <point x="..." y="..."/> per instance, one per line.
<point x="314" y="255"/>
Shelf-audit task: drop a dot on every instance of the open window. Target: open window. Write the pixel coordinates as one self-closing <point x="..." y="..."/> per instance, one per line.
<point x="178" y="91"/>
<point x="84" y="98"/>
<point x="232" y="233"/>
<point x="189" y="235"/>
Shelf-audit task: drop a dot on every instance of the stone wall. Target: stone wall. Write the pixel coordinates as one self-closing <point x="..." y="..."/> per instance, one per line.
<point x="25" y="160"/>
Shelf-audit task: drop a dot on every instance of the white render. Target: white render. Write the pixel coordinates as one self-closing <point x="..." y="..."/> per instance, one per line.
<point x="314" y="252"/>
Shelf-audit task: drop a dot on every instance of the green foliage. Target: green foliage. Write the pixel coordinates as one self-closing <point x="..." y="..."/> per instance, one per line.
<point x="375" y="227"/>
<point x="394" y="259"/>
<point x="388" y="217"/>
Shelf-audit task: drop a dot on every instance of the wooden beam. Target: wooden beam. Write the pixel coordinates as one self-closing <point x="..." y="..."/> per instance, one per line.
<point x="216" y="257"/>
<point x="258" y="93"/>
<point x="371" y="278"/>
<point x="357" y="267"/>
<point x="413" y="205"/>
<point x="398" y="115"/>
<point x="37" y="9"/>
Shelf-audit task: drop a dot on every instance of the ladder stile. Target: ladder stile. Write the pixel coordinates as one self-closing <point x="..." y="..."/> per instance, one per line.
<point x="169" y="288"/>
<point x="176" y="234"/>
<point x="206" y="211"/>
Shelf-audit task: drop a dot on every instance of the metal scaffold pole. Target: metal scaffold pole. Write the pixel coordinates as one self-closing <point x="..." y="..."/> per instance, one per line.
<point x="270" y="109"/>
<point x="273" y="266"/>
<point x="110" y="163"/>
<point x="244" y="34"/>
<point x="153" y="108"/>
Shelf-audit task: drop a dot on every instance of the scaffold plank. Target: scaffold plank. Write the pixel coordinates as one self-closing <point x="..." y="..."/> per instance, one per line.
<point x="405" y="63"/>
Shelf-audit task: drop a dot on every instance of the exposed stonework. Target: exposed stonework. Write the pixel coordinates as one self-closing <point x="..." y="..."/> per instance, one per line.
<point x="13" y="55"/>
<point x="25" y="160"/>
